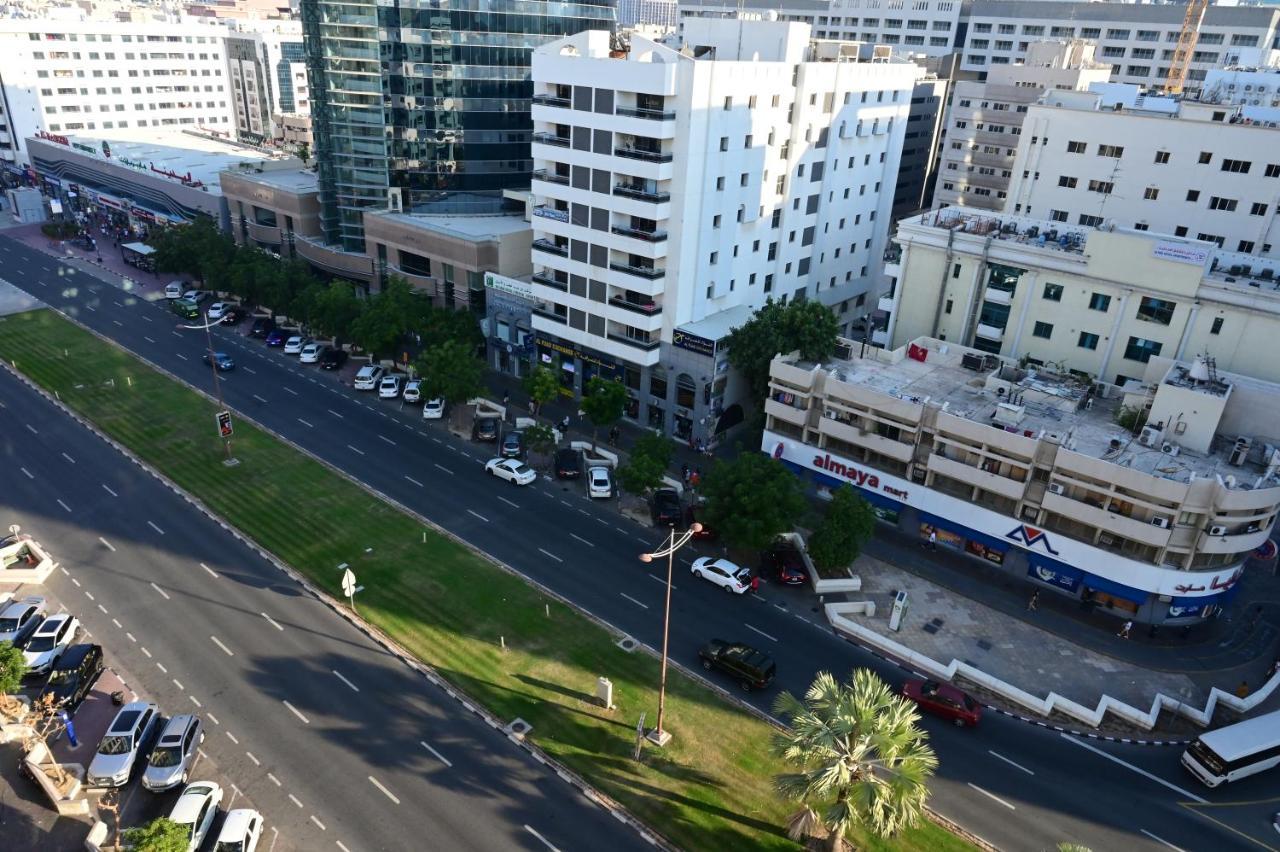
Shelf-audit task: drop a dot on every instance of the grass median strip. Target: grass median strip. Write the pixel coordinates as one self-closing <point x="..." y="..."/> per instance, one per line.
<point x="711" y="789"/>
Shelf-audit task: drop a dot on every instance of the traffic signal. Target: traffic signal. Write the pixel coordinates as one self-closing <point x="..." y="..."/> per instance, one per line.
<point x="224" y="424"/>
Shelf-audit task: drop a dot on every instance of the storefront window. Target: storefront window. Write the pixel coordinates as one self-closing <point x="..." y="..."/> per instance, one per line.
<point x="658" y="386"/>
<point x="686" y="391"/>
<point x="631" y="378"/>
<point x="656" y="416"/>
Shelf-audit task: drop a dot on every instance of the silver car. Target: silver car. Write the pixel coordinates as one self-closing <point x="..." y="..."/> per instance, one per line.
<point x="175" y="753"/>
<point x="130" y="734"/>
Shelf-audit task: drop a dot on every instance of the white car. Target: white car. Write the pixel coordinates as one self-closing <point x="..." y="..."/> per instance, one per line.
<point x="723" y="573"/>
<point x="51" y="638"/>
<point x="599" y="483"/>
<point x="196" y="296"/>
<point x="218" y="310"/>
<point x="240" y="832"/>
<point x="310" y="353"/>
<point x="433" y="409"/>
<point x="173" y="290"/>
<point x="294" y="345"/>
<point x="368" y="377"/>
<point x="390" y="387"/>
<point x="413" y="390"/>
<point x="195" y="811"/>
<point x="512" y="470"/>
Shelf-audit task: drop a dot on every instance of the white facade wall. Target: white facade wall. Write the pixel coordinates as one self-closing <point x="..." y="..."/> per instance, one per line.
<point x="90" y="77"/>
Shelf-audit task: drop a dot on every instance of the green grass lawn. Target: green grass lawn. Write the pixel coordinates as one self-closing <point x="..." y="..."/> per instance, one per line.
<point x="709" y="790"/>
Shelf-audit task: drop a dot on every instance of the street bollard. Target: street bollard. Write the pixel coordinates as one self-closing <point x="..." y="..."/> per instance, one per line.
<point x="71" y="728"/>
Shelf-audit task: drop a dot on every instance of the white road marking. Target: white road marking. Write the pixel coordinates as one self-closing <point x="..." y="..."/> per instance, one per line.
<point x="109" y="491"/>
<point x="29" y="474"/>
<point x="335" y="414"/>
<point x="232" y="737"/>
<point x="388" y="793"/>
<point x="509" y="503"/>
<point x="1008" y="761"/>
<point x="291" y="390"/>
<point x="148" y="339"/>
<point x="272" y="621"/>
<point x="991" y="796"/>
<point x="90" y="596"/>
<point x="161" y="667"/>
<point x="162" y="592"/>
<point x="338" y="674"/>
<point x="388" y="440"/>
<point x="581" y="539"/>
<point x="103" y="609"/>
<point x="483" y="518"/>
<point x="33" y="429"/>
<point x="63" y="505"/>
<point x="214" y="719"/>
<point x="68" y="458"/>
<point x="147" y="318"/>
<point x="761" y="632"/>
<point x="178" y="684"/>
<point x="258" y="398"/>
<point x="212" y="573"/>
<point x="274" y="780"/>
<point x="294" y="799"/>
<point x="305" y="423"/>
<point x="117" y="322"/>
<point x="145" y="651"/>
<point x="545" y="842"/>
<point x="180" y="355"/>
<point x="551" y="555"/>
<point x="224" y="648"/>
<point x="633" y="600"/>
<point x="354" y="450"/>
<point x="440" y="757"/>
<point x="295" y="712"/>
<point x="106" y="544"/>
<point x="661" y="580"/>
<point x="442" y="467"/>
<point x="340" y="846"/>
<point x="414" y="481"/>
<point x="195" y="701"/>
<point x="250" y="371"/>
<point x="318" y="822"/>
<point x="1160" y="840"/>
<point x="131" y="636"/>
<point x="154" y="527"/>
<point x="255" y="760"/>
<point x="1175" y="788"/>
<point x="117" y="623"/>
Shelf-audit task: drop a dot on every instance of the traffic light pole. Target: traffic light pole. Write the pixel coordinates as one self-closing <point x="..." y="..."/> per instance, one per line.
<point x="229" y="461"/>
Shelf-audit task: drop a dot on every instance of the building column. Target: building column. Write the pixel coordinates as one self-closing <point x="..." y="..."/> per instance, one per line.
<point x="1104" y="367"/>
<point x="1186" y="330"/>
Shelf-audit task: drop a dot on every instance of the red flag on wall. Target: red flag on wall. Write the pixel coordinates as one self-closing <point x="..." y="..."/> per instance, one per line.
<point x="917" y="353"/>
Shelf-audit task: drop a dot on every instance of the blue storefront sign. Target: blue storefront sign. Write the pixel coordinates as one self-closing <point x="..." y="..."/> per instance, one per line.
<point x="1054" y="574"/>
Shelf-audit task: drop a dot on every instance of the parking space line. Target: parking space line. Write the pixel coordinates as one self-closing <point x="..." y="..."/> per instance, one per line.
<point x="388" y="793"/>
<point x="338" y="674"/>
<point x="634" y="601"/>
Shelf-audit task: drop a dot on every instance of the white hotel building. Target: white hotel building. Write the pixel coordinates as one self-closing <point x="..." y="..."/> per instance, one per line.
<point x="1027" y="470"/>
<point x="677" y="190"/>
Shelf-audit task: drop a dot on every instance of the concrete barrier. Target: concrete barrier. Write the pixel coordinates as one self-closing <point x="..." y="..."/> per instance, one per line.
<point x="595" y="456"/>
<point x="37" y="760"/>
<point x="97" y="836"/>
<point x="820" y="585"/>
<point x="25" y="561"/>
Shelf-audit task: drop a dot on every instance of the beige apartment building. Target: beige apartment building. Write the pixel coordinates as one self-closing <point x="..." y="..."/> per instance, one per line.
<point x="1028" y="470"/>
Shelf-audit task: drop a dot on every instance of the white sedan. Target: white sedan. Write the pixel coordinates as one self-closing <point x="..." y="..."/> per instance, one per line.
<point x="723" y="573"/>
<point x="413" y="390"/>
<point x="195" y="811"/>
<point x="390" y="387"/>
<point x="218" y="310"/>
<point x="51" y="638"/>
<point x="310" y="353"/>
<point x="196" y="296"/>
<point x="599" y="483"/>
<point x="433" y="409"/>
<point x="240" y="832"/>
<point x="512" y="470"/>
<point x="294" y="345"/>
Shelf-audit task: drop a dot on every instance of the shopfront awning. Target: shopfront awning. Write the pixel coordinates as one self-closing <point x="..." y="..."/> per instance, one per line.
<point x="1116" y="590"/>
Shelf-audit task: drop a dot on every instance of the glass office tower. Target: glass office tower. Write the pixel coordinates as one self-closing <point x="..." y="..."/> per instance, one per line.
<point x="425" y="103"/>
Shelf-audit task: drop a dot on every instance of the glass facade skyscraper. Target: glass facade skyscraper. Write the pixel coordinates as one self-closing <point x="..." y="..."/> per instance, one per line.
<point x="427" y="100"/>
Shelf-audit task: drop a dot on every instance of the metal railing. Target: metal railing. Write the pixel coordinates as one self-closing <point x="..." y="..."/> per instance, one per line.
<point x="633" y="191"/>
<point x="640" y="234"/>
<point x="647" y="272"/>
<point x="642" y="154"/>
<point x="652" y="114"/>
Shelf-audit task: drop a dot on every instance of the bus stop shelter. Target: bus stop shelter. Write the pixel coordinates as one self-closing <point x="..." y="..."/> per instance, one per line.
<point x="139" y="255"/>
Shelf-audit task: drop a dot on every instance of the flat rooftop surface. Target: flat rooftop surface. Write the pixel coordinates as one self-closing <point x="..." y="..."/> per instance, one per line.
<point x="293" y="180"/>
<point x="467" y="227"/>
<point x="173" y="151"/>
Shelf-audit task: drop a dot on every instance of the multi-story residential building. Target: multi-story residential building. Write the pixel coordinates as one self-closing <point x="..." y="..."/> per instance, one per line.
<point x="87" y="77"/>
<point x="676" y="190"/>
<point x="985" y="121"/>
<point x="1201" y="171"/>
<point x="1031" y="471"/>
<point x="275" y="62"/>
<point x="1098" y="303"/>
<point x="662" y="14"/>
<point x="252" y="87"/>
<point x="433" y="111"/>
<point x="917" y="168"/>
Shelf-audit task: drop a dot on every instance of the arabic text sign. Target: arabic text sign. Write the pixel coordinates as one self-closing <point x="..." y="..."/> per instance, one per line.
<point x="1180" y="252"/>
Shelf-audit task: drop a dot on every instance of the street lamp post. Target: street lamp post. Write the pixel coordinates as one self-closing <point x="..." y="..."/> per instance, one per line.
<point x="229" y="461"/>
<point x="659" y="734"/>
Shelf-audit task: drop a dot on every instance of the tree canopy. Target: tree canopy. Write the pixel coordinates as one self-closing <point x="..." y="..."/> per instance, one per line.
<point x="774" y="329"/>
<point x="541" y="385"/>
<point x="751" y="500"/>
<point x="646" y="464"/>
<point x="603" y="402"/>
<point x="160" y="835"/>
<point x="451" y="370"/>
<point x="13" y="668"/>
<point x="847" y="525"/>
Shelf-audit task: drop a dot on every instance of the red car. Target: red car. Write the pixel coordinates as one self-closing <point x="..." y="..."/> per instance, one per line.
<point x="945" y="700"/>
<point x="784" y="562"/>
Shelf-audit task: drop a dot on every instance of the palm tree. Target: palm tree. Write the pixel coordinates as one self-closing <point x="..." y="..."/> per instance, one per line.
<point x="860" y="759"/>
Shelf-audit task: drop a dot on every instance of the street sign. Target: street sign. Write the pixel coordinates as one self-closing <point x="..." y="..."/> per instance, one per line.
<point x="224" y="424"/>
<point x="348" y="583"/>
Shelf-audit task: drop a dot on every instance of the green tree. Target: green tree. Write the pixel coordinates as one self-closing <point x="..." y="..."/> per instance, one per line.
<point x="541" y="385"/>
<point x="647" y="463"/>
<point x="13" y="668"/>
<point x="603" y="403"/>
<point x="540" y="437"/>
<point x="388" y="317"/>
<point x="303" y="151"/>
<point x="160" y="835"/>
<point x="774" y="329"/>
<point x="440" y="324"/>
<point x="847" y="525"/>
<point x="452" y="371"/>
<point x="860" y="759"/>
<point x="198" y="248"/>
<point x="751" y="500"/>
<point x="336" y="310"/>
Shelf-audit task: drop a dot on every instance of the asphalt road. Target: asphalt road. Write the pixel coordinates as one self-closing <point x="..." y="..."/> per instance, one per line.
<point x="1017" y="785"/>
<point x="340" y="744"/>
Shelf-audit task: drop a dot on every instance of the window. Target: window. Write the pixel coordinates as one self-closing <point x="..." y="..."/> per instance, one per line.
<point x="1238" y="166"/>
<point x="1116" y="151"/>
<point x="1257" y="209"/>
<point x="1141" y="350"/>
<point x="1053" y="292"/>
<point x="1218" y="203"/>
<point x="1216" y="327"/>
<point x="1099" y="302"/>
<point x="1042" y="329"/>
<point x="1101" y="186"/>
<point x="1087" y="340"/>
<point x="1205" y="157"/>
<point x="1075" y="147"/>
<point x="715" y="258"/>
<point x="1193" y="195"/>
<point x="1272" y="170"/>
<point x="1180" y="231"/>
<point x="724" y="143"/>
<point x="1151" y="193"/>
<point x="1162" y="157"/>
<point x="1090" y="221"/>
<point x="1156" y="310"/>
<point x="1068" y="182"/>
<point x="1058" y="215"/>
<point x="1245" y="247"/>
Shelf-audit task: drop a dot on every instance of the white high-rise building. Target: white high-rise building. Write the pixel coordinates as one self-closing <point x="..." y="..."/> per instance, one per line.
<point x="677" y="190"/>
<point x="268" y="75"/>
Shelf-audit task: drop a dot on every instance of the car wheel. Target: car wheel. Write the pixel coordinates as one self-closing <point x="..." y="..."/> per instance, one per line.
<point x="746" y="685"/>
<point x="699" y="574"/>
<point x="959" y="723"/>
<point x="706" y="664"/>
<point x="727" y="588"/>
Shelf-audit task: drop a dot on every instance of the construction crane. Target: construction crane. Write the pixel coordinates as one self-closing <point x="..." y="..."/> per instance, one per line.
<point x="1185" y="48"/>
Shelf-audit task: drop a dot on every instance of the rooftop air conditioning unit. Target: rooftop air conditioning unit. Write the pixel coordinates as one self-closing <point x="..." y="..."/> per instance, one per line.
<point x="1161" y="522"/>
<point x="1167" y="447"/>
<point x="1217" y="530"/>
<point x="1057" y="488"/>
<point x="1149" y="436"/>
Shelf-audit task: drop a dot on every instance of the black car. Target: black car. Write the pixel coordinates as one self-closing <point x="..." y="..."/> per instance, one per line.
<point x="232" y="315"/>
<point x="262" y="326"/>
<point x="73" y="675"/>
<point x="665" y="508"/>
<point x="568" y="464"/>
<point x="332" y="358"/>
<point x="512" y="445"/>
<point x="751" y="668"/>
<point x="784" y="563"/>
<point x="485" y="429"/>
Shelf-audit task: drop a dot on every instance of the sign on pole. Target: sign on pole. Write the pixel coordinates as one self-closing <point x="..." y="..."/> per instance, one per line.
<point x="224" y="424"/>
<point x="348" y="582"/>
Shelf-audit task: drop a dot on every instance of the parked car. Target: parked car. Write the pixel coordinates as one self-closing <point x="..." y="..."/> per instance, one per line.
<point x="945" y="700"/>
<point x="433" y="409"/>
<point x="175" y="754"/>
<point x="294" y="345"/>
<point x="512" y="445"/>
<point x="723" y="573"/>
<point x="310" y="353"/>
<point x="262" y="326"/>
<point x="184" y="308"/>
<point x="196" y="296"/>
<point x="73" y="674"/>
<point x="752" y="669"/>
<point x="599" y="483"/>
<point x="664" y="507"/>
<point x="276" y="337"/>
<point x="195" y="811"/>
<point x="568" y="463"/>
<point x="241" y="831"/>
<point x="332" y="358"/>
<point x="50" y="639"/>
<point x="221" y="359"/>
<point x="691" y="514"/>
<point x="129" y="736"/>
<point x="512" y="470"/>
<point x="485" y="429"/>
<point x="413" y="390"/>
<point x="175" y="289"/>
<point x="369" y="377"/>
<point x="390" y="387"/>
<point x="218" y="310"/>
<point x="20" y="618"/>
<point x="784" y="562"/>
<point x="231" y="315"/>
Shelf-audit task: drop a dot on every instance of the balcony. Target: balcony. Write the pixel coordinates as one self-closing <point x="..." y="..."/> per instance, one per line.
<point x="546" y="312"/>
<point x="551" y="177"/>
<point x="647" y="236"/>
<point x="549" y="281"/>
<point x="648" y="273"/>
<point x="885" y="304"/>
<point x="990" y="332"/>
<point x="638" y="154"/>
<point x="552" y="100"/>
<point x="551" y="139"/>
<point x="648" y="309"/>
<point x="987" y="481"/>
<point x="880" y="337"/>
<point x="633" y="191"/>
<point x="269" y="234"/>
<point x="997" y="297"/>
<point x="645" y="345"/>
<point x="786" y="413"/>
<point x="551" y="213"/>
<point x="651" y="114"/>
<point x="551" y="248"/>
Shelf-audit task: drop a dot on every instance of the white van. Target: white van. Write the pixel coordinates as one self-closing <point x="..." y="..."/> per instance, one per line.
<point x="175" y="289"/>
<point x="368" y="377"/>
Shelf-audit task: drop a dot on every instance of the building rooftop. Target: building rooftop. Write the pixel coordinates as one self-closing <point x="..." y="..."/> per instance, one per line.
<point x="297" y="180"/>
<point x="720" y="323"/>
<point x="463" y="227"/>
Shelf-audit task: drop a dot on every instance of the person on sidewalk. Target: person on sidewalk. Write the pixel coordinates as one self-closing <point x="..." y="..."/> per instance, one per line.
<point x="1031" y="604"/>
<point x="1124" y="630"/>
<point x="684" y="474"/>
<point x="615" y="435"/>
<point x="564" y="424"/>
<point x="933" y="539"/>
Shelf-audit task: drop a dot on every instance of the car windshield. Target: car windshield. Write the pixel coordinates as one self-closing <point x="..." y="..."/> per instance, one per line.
<point x="116" y="745"/>
<point x="8" y="625"/>
<point x="522" y="469"/>
<point x="42" y="643"/>
<point x="166" y="756"/>
<point x="229" y="846"/>
<point x="62" y="675"/>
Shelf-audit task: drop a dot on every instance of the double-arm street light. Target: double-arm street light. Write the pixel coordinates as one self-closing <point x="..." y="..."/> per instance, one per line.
<point x="217" y="386"/>
<point x="659" y="734"/>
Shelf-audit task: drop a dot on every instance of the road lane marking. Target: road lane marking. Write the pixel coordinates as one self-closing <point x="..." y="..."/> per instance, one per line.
<point x="509" y="503"/>
<point x="178" y="684"/>
<point x="442" y="467"/>
<point x="68" y="458"/>
<point x="581" y="539"/>
<point x="1174" y="787"/>
<point x="117" y="322"/>
<point x="117" y="623"/>
<point x="106" y="544"/>
<point x="255" y="760"/>
<point x="991" y="796"/>
<point x="147" y="318"/>
<point x="999" y="756"/>
<point x="318" y="822"/>
<point x="483" y="518"/>
<point x="29" y="474"/>
<point x="388" y="440"/>
<point x="154" y="527"/>
<point x="340" y="846"/>
<point x="338" y="674"/>
<point x="551" y="555"/>
<point x="761" y="632"/>
<point x="232" y="737"/>
<point x="545" y="842"/>
<point x="305" y="423"/>
<point x="103" y="609"/>
<point x="145" y="651"/>
<point x="195" y="701"/>
<point x="290" y="390"/>
<point x="294" y="799"/>
<point x="33" y="429"/>
<point x="180" y="355"/>
<point x="224" y="648"/>
<point x="250" y="371"/>
<point x="148" y="339"/>
<point x="63" y="505"/>
<point x="414" y="481"/>
<point x="214" y="719"/>
<point x="162" y="592"/>
<point x="258" y="398"/>
<point x="386" y="792"/>
<point x="272" y="621"/>
<point x="633" y="600"/>
<point x="1161" y="840"/>
<point x="212" y="573"/>
<point x="274" y="780"/>
<point x="674" y="587"/>
<point x="90" y="596"/>
<point x="440" y="757"/>
<point x="355" y="450"/>
<point x="335" y="414"/>
<point x="295" y="712"/>
<point x="109" y="491"/>
<point x="161" y="667"/>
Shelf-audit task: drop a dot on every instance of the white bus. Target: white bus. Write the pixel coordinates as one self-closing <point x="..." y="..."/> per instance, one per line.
<point x="1236" y="751"/>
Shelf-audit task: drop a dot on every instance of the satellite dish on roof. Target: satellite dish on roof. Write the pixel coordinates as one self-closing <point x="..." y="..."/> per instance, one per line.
<point x="1199" y="370"/>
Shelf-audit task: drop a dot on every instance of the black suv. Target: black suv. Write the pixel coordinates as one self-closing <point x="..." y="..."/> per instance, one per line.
<point x="485" y="429"/>
<point x="262" y="326"/>
<point x="332" y="358"/>
<point x="665" y="508"/>
<point x="568" y="463"/>
<point x="512" y="445"/>
<point x="751" y="668"/>
<point x="73" y="675"/>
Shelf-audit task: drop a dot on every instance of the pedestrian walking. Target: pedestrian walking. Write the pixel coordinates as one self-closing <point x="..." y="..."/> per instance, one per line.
<point x="933" y="539"/>
<point x="684" y="473"/>
<point x="695" y="478"/>
<point x="506" y="399"/>
<point x="1031" y="604"/>
<point x="564" y="424"/>
<point x="614" y="435"/>
<point x="1124" y="630"/>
